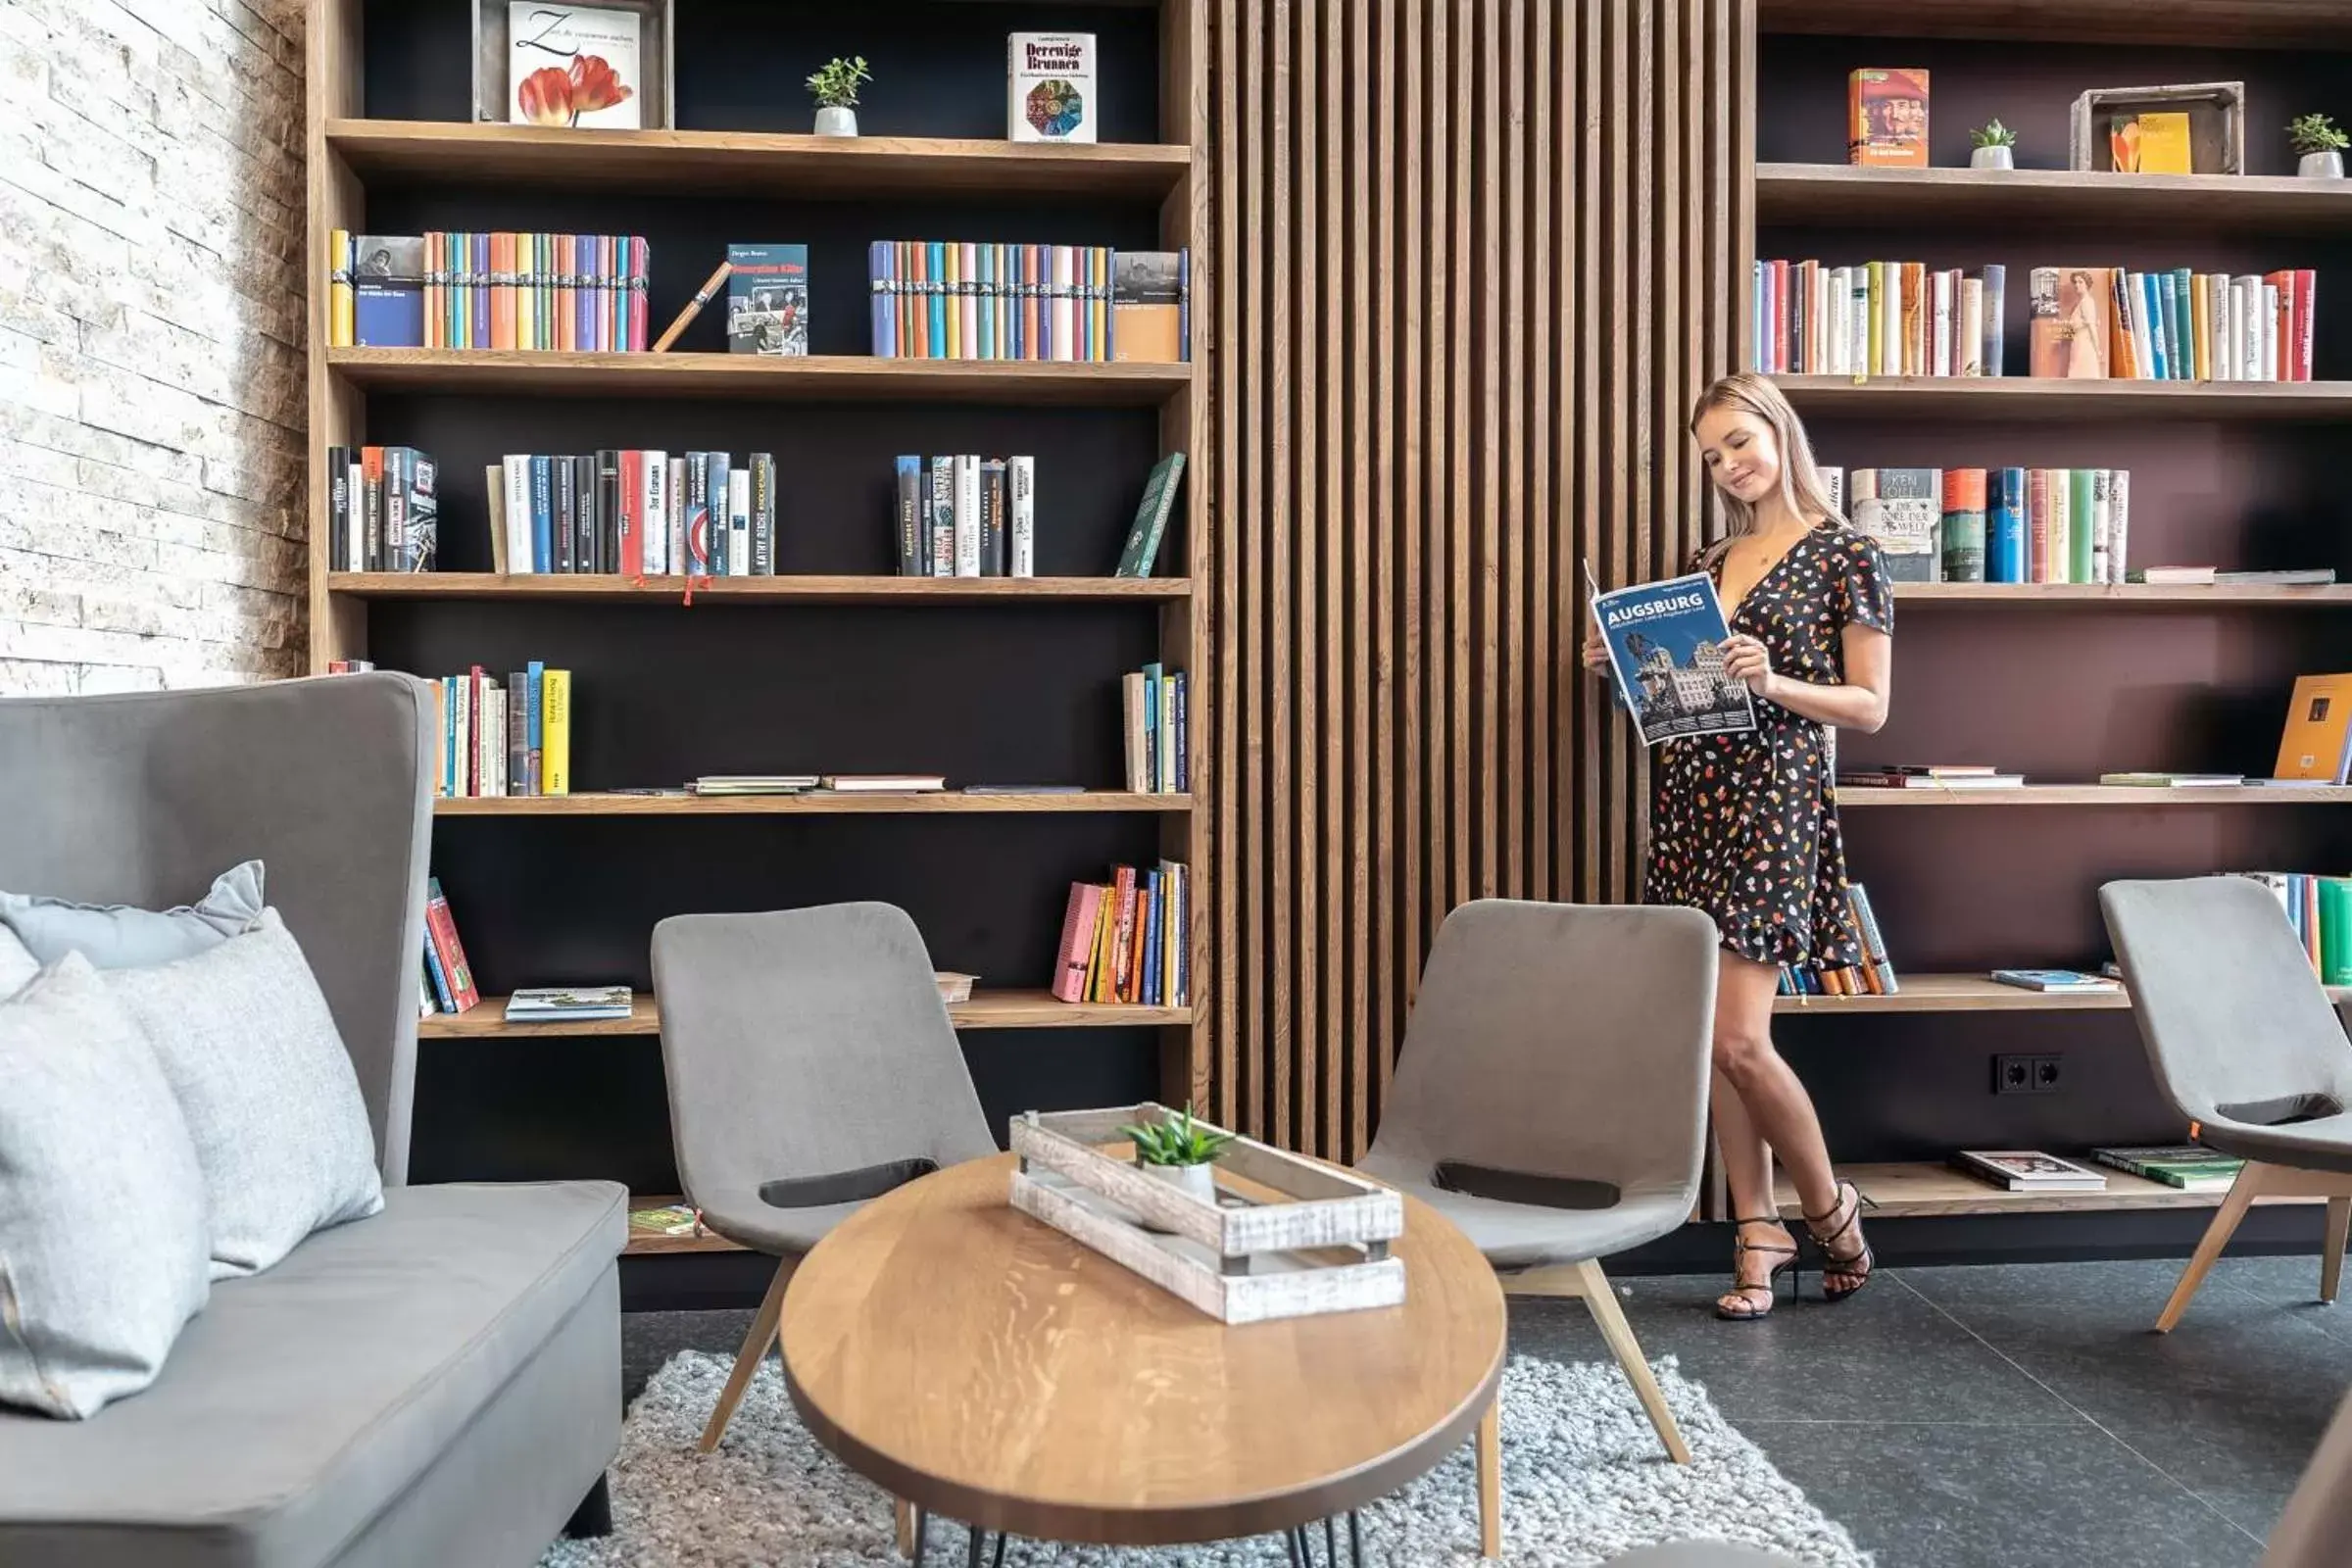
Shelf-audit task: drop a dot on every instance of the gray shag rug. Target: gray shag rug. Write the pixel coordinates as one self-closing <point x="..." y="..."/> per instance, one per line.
<point x="1584" y="1480"/>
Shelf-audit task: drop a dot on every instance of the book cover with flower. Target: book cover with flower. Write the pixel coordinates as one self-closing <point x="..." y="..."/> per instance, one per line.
<point x="1050" y="88"/>
<point x="572" y="66"/>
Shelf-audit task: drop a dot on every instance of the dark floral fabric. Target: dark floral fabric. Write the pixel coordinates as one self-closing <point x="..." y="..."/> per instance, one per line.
<point x="1745" y="826"/>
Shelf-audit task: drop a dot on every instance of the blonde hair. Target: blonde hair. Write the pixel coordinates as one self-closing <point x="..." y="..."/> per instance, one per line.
<point x="1800" y="477"/>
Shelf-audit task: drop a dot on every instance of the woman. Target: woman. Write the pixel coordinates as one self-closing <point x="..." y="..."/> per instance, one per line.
<point x="1745" y="826"/>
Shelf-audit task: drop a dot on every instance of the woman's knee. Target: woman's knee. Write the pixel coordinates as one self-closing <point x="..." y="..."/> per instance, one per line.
<point x="1740" y="1053"/>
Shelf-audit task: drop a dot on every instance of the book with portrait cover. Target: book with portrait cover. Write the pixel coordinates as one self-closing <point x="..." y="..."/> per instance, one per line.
<point x="1887" y="114"/>
<point x="1050" y="88"/>
<point x="1665" y="642"/>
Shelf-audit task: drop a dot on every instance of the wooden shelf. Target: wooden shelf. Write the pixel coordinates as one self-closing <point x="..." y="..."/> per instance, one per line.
<point x="754" y="165"/>
<point x="1913" y="1190"/>
<point x="2197" y="23"/>
<point x="1841" y="196"/>
<point x="987" y="1010"/>
<point x="841" y="377"/>
<point x="2121" y="596"/>
<point x="816" y="802"/>
<point x="657" y="1243"/>
<point x="2044" y="400"/>
<point x="2123" y="795"/>
<point x="606" y="588"/>
<point x="1973" y="992"/>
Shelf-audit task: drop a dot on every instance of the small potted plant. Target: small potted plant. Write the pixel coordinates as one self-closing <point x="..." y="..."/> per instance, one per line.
<point x="2320" y="145"/>
<point x="1993" y="147"/>
<point x="1179" y="1151"/>
<point x="835" y="88"/>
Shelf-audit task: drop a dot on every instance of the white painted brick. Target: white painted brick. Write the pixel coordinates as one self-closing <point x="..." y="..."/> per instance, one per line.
<point x="152" y="326"/>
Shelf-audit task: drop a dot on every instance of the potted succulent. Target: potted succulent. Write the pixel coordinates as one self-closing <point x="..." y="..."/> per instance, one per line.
<point x="835" y="88"/>
<point x="2320" y="145"/>
<point x="1179" y="1151"/>
<point x="1993" y="147"/>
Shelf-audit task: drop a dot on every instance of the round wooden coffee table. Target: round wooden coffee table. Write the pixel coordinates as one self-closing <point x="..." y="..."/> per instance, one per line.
<point x="988" y="1368"/>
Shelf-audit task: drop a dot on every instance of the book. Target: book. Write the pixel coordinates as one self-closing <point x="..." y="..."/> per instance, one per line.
<point x="767" y="300"/>
<point x="1901" y="509"/>
<point x="2191" y="1167"/>
<point x="2160" y="780"/>
<point x="2316" y="744"/>
<point x="2154" y="142"/>
<point x="1078" y="925"/>
<point x="1148" y="306"/>
<point x="670" y="1219"/>
<point x="2068" y="311"/>
<point x="1899" y="779"/>
<point x="1963" y="525"/>
<point x="1020" y="484"/>
<point x="1050" y="88"/>
<point x="573" y="66"/>
<point x="2056" y="981"/>
<point x="753" y="784"/>
<point x="883" y="783"/>
<point x="2005" y="558"/>
<point x="1665" y="642"/>
<point x="1887" y="119"/>
<point x="1151" y="515"/>
<point x="2021" y="1170"/>
<point x="452" y="971"/>
<point x="555" y="706"/>
<point x="567" y="1004"/>
<point x="387" y="285"/>
<point x="1995" y="279"/>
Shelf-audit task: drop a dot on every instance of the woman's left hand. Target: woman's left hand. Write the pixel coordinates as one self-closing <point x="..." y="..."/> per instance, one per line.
<point x="1744" y="658"/>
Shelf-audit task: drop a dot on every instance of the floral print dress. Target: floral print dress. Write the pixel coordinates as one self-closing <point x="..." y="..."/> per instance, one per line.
<point x="1745" y="826"/>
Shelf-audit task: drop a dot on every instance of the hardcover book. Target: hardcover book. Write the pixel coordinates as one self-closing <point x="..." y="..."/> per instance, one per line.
<point x="2029" y="1170"/>
<point x="767" y="300"/>
<point x="2151" y="143"/>
<point x="1963" y="525"/>
<point x="1050" y="88"/>
<point x="573" y="66"/>
<point x="1902" y="508"/>
<point x="1665" y="642"/>
<point x="1152" y="517"/>
<point x="387" y="280"/>
<point x="1886" y="114"/>
<point x="2070" y="311"/>
<point x="2317" y="743"/>
<point x="1147" y="307"/>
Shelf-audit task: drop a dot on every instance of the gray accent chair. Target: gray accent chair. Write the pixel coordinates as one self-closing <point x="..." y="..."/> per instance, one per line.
<point x="1550" y="1098"/>
<point x="2242" y="1039"/>
<point x="438" y="1384"/>
<point x="812" y="1068"/>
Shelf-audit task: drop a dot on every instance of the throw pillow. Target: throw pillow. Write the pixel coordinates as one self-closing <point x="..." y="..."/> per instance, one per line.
<point x="118" y="936"/>
<point x="272" y="1102"/>
<point x="17" y="965"/>
<point x="101" y="1200"/>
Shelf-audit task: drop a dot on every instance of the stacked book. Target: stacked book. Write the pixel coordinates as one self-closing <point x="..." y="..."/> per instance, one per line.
<point x="1874" y="976"/>
<point x="2191" y="1167"/>
<point x="1928" y="776"/>
<point x="1122" y="940"/>
<point x="2175" y="325"/>
<point x="2029" y="1170"/>
<point x="569" y="293"/>
<point x="957" y="300"/>
<point x="509" y="738"/>
<point x="446" y="981"/>
<point x="1155" y="725"/>
<point x="2024" y="525"/>
<point x="716" y="784"/>
<point x="567" y="1004"/>
<point x="634" y="512"/>
<point x="2059" y="981"/>
<point x="1877" y="318"/>
<point x="382" y="510"/>
<point x="967" y="517"/>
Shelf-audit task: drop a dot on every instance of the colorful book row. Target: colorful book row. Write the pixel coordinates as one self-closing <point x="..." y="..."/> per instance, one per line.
<point x="634" y="512"/>
<point x="1155" y="722"/>
<point x="1122" y="940"/>
<point x="958" y="300"/>
<point x="382" y="510"/>
<point x="967" y="517"/>
<point x="1874" y="976"/>
<point x="569" y="293"/>
<point x="1877" y="318"/>
<point x="504" y="739"/>
<point x="2319" y="911"/>
<point x="2022" y="525"/>
<point x="2177" y="326"/>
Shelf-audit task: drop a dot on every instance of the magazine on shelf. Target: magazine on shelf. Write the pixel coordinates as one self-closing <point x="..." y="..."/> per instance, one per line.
<point x="1665" y="643"/>
<point x="574" y="1004"/>
<point x="2029" y="1170"/>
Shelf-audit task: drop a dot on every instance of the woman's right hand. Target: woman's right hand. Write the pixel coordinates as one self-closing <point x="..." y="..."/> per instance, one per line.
<point x="1597" y="652"/>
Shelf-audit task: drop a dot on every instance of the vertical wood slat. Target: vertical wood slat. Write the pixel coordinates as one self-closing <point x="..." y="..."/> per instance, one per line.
<point x="1476" y="257"/>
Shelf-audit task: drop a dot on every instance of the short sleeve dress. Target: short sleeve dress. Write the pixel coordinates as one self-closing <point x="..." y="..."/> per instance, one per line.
<point x="1745" y="826"/>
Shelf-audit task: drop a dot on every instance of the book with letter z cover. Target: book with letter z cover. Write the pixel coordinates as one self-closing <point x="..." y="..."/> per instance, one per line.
<point x="1666" y="648"/>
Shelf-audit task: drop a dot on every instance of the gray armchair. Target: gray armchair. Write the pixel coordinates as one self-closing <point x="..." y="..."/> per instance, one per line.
<point x="1550" y="1098"/>
<point x="812" y="1068"/>
<point x="2242" y="1041"/>
<point x="439" y="1383"/>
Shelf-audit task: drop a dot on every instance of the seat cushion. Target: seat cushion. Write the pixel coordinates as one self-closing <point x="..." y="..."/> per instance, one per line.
<point x="302" y="1401"/>
<point x="1528" y="1236"/>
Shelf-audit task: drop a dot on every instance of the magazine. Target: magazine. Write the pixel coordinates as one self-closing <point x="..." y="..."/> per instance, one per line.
<point x="1666" y="648"/>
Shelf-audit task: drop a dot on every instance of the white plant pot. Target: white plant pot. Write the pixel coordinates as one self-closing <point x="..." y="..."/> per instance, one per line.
<point x="837" y="121"/>
<point x="1991" y="157"/>
<point x="1199" y="1180"/>
<point x="2328" y="164"/>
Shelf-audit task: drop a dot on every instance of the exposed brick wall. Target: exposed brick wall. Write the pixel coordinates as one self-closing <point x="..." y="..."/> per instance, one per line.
<point x="151" y="343"/>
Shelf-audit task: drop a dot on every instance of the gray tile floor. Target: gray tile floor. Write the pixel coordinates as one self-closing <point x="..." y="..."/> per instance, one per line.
<point x="2018" y="1416"/>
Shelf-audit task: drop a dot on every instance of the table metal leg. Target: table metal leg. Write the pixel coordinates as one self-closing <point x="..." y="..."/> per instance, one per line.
<point x="979" y="1537"/>
<point x="997" y="1562"/>
<point x="922" y="1535"/>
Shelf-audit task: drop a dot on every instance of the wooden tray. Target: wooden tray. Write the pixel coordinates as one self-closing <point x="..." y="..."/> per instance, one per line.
<point x="1288" y="1237"/>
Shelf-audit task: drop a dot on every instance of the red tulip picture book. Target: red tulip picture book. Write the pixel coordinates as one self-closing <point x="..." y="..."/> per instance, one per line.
<point x="573" y="66"/>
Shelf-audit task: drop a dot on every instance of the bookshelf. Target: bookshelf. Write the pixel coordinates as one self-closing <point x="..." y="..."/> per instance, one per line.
<point x="835" y="664"/>
<point x="2060" y="682"/>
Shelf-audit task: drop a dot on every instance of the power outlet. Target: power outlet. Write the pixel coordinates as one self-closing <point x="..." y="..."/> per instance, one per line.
<point x="2027" y="1075"/>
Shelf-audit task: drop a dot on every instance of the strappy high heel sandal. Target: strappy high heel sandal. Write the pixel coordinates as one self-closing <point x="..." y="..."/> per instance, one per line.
<point x="1743" y="1293"/>
<point x="1841" y="1277"/>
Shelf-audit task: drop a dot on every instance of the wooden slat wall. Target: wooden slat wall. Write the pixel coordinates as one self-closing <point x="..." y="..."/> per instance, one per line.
<point x="1475" y="258"/>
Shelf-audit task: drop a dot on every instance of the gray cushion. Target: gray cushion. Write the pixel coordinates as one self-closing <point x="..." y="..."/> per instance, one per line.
<point x="120" y="936"/>
<point x="305" y="1401"/>
<point x="17" y="963"/>
<point x="102" y="1226"/>
<point x="270" y="1100"/>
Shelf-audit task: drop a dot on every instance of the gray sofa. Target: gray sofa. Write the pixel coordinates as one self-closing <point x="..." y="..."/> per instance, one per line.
<point x="438" y="1384"/>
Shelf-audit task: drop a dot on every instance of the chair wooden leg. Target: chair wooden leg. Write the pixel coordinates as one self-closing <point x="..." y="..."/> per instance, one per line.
<point x="2332" y="1253"/>
<point x="903" y="1512"/>
<point x="2234" y="1204"/>
<point x="1490" y="1478"/>
<point x="1600" y="1299"/>
<point x="747" y="1359"/>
